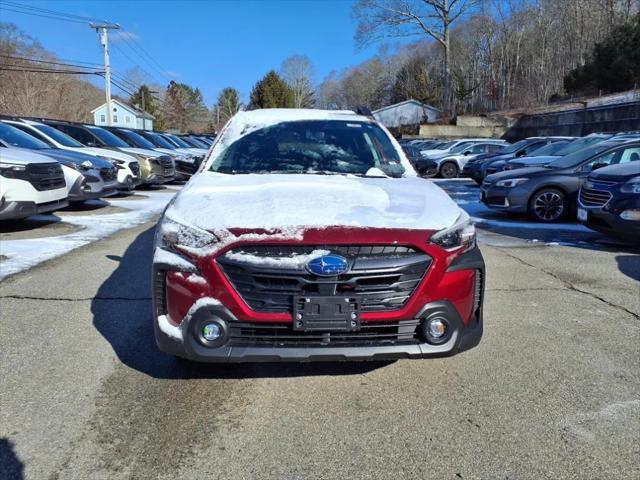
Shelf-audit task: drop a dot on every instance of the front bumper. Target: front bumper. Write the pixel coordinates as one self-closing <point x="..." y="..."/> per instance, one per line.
<point x="607" y="220"/>
<point x="10" y="210"/>
<point x="505" y="199"/>
<point x="462" y="339"/>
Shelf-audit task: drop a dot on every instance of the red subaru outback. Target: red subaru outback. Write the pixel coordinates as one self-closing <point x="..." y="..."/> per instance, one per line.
<point x="308" y="236"/>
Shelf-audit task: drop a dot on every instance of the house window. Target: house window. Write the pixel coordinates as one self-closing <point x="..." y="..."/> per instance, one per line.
<point x="102" y="119"/>
<point x="115" y="118"/>
<point x="127" y="119"/>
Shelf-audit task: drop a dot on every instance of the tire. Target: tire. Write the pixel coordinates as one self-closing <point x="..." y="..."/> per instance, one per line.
<point x="548" y="205"/>
<point x="449" y="170"/>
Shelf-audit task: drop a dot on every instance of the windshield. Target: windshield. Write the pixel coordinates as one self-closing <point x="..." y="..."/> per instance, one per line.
<point x="576" y="158"/>
<point x="136" y="139"/>
<point x="195" y="142"/>
<point x="178" y="141"/>
<point x="17" y="138"/>
<point x="158" y="141"/>
<point x="579" y="144"/>
<point x="58" y="136"/>
<point x="444" y="146"/>
<point x="312" y="147"/>
<point x="459" y="148"/>
<point x="550" y="149"/>
<point x="109" y="139"/>
<point x="514" y="147"/>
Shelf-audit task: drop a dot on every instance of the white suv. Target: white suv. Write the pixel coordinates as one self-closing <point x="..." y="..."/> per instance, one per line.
<point x="29" y="184"/>
<point x="127" y="165"/>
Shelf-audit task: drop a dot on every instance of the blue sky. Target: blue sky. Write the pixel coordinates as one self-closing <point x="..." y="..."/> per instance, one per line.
<point x="207" y="44"/>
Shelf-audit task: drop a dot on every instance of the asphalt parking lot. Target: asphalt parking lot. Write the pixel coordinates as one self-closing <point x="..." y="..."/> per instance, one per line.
<point x="553" y="390"/>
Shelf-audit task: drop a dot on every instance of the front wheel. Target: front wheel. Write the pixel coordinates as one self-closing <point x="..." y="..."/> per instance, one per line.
<point x="449" y="170"/>
<point x="548" y="205"/>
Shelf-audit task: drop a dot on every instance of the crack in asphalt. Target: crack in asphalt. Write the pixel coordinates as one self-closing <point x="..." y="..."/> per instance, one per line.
<point x="66" y="299"/>
<point x="568" y="285"/>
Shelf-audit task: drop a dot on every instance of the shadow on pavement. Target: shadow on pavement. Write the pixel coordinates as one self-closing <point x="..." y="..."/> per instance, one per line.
<point x="629" y="265"/>
<point x="11" y="468"/>
<point x="29" y="223"/>
<point x="122" y="314"/>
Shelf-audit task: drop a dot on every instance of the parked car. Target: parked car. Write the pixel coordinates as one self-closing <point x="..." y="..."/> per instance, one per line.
<point x="185" y="166"/>
<point x="609" y="200"/>
<point x="541" y="156"/>
<point x="29" y="184"/>
<point x="86" y="177"/>
<point x="326" y="247"/>
<point x="456" y="146"/>
<point x="195" y="142"/>
<point x="477" y="168"/>
<point x="451" y="164"/>
<point x="549" y="194"/>
<point x="546" y="151"/>
<point x="55" y="138"/>
<point x="154" y="170"/>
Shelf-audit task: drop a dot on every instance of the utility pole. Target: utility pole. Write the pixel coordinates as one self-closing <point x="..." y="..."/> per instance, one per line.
<point x="143" y="102"/>
<point x="102" y="29"/>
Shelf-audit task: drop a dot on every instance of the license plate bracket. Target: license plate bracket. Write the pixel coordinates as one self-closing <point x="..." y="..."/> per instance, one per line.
<point x="326" y="314"/>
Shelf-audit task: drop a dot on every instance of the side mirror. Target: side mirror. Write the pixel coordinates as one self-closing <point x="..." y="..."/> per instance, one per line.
<point x="521" y="153"/>
<point x="596" y="166"/>
<point x="467" y="152"/>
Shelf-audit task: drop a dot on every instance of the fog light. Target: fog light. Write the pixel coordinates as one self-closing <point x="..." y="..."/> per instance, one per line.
<point x="631" y="214"/>
<point x="436" y="328"/>
<point x="211" y="332"/>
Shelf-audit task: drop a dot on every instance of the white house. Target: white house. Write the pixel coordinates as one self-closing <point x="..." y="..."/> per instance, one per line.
<point x="409" y="112"/>
<point x="123" y="115"/>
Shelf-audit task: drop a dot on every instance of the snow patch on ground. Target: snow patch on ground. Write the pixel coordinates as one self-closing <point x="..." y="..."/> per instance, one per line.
<point x="26" y="253"/>
<point x="294" y="262"/>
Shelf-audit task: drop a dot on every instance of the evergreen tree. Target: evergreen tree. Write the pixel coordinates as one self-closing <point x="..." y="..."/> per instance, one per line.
<point x="184" y="108"/>
<point x="614" y="66"/>
<point x="148" y="105"/>
<point x="272" y="92"/>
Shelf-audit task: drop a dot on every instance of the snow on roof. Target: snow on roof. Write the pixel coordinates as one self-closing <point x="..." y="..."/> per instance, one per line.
<point x="411" y="100"/>
<point x="136" y="111"/>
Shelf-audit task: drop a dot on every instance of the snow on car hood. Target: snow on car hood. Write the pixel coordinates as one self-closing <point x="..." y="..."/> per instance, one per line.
<point x="214" y="202"/>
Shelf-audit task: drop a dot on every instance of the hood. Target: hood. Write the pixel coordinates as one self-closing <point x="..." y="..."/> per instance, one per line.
<point x="141" y="151"/>
<point x="617" y="173"/>
<point x="75" y="157"/>
<point x="518" y="173"/>
<point x="167" y="151"/>
<point x="213" y="201"/>
<point x="104" y="152"/>
<point x="190" y="151"/>
<point x="22" y="156"/>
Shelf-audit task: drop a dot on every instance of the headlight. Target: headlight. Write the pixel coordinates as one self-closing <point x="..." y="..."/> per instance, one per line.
<point x="461" y="235"/>
<point x="9" y="170"/>
<point x="632" y="186"/>
<point x="177" y="237"/>
<point x="514" y="182"/>
<point x="87" y="165"/>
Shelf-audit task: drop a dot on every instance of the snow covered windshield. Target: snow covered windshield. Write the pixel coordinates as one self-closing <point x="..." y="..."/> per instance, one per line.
<point x="312" y="147"/>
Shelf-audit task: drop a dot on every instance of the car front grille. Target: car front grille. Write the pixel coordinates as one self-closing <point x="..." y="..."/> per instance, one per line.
<point x="188" y="168"/>
<point x="590" y="197"/>
<point x="165" y="161"/>
<point x="108" y="174"/>
<point x="381" y="277"/>
<point x="46" y="176"/>
<point x="281" y="335"/>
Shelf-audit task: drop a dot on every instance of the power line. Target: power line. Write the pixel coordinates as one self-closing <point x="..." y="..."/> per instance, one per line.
<point x="43" y="12"/>
<point x="150" y="61"/>
<point x="49" y="62"/>
<point x="20" y="68"/>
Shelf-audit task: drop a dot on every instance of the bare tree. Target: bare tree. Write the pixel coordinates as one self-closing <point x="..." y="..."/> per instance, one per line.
<point x="298" y="72"/>
<point x="403" y="18"/>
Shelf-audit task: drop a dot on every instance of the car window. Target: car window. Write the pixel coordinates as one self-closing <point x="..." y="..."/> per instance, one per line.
<point x="533" y="147"/>
<point x="480" y="148"/>
<point x="620" y="155"/>
<point x="314" y="146"/>
<point x="33" y="133"/>
<point x="17" y="138"/>
<point x="108" y="138"/>
<point x="78" y="133"/>
<point x="60" y="137"/>
<point x="491" y="148"/>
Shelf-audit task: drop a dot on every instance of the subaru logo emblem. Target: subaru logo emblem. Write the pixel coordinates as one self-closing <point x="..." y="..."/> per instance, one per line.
<point x="328" y="265"/>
